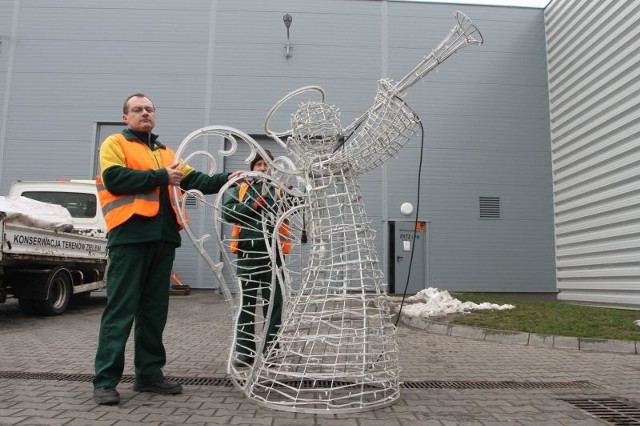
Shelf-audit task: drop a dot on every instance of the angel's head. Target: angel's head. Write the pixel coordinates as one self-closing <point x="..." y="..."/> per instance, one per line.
<point x="316" y="127"/>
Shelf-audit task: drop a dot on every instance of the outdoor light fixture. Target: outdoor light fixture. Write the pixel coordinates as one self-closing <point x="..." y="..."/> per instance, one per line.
<point x="406" y="209"/>
<point x="287" y="23"/>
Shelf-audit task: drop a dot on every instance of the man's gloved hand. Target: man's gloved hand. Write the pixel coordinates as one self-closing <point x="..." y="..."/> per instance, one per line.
<point x="259" y="204"/>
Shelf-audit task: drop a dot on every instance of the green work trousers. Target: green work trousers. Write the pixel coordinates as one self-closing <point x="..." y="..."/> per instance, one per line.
<point x="138" y="283"/>
<point x="255" y="275"/>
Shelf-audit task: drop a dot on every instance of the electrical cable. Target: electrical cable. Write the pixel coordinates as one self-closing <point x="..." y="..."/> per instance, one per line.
<point x="415" y="226"/>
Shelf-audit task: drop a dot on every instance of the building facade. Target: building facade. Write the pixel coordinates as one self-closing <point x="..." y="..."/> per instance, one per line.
<point x="483" y="181"/>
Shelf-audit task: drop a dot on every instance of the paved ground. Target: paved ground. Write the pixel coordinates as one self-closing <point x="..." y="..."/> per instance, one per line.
<point x="459" y="380"/>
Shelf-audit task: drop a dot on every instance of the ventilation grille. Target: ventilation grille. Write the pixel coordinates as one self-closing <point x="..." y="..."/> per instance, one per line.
<point x="489" y="207"/>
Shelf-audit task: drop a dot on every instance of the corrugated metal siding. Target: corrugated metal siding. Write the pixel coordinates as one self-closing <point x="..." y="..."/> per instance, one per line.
<point x="594" y="86"/>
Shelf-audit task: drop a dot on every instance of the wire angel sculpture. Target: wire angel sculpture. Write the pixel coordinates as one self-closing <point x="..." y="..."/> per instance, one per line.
<point x="332" y="347"/>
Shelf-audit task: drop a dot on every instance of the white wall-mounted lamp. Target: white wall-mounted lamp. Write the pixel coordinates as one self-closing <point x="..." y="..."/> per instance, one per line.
<point x="406" y="209"/>
<point x="287" y="23"/>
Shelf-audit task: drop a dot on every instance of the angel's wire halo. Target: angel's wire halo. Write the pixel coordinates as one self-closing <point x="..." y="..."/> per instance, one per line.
<point x="267" y="121"/>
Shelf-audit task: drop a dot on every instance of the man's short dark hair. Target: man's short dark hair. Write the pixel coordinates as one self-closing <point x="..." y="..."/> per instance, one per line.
<point x="125" y="106"/>
<point x="258" y="157"/>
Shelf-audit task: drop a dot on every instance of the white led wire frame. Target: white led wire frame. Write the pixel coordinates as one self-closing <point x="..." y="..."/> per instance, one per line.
<point x="283" y="181"/>
<point x="463" y="33"/>
<point x="283" y="171"/>
<point x="279" y="224"/>
<point x="335" y="350"/>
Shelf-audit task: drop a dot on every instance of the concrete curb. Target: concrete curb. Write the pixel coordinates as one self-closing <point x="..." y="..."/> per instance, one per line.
<point x="520" y="338"/>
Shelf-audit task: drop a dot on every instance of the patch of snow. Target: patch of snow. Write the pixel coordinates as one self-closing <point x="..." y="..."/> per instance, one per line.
<point x="432" y="302"/>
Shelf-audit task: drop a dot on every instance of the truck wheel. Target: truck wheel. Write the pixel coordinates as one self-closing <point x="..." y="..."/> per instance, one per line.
<point x="59" y="294"/>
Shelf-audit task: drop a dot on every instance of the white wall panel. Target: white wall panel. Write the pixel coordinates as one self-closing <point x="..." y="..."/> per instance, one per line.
<point x="594" y="96"/>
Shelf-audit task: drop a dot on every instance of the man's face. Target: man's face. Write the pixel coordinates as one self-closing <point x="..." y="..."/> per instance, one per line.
<point x="261" y="166"/>
<point x="140" y="115"/>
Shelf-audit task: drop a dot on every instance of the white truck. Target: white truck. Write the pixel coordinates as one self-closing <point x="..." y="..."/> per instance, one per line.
<point x="43" y="267"/>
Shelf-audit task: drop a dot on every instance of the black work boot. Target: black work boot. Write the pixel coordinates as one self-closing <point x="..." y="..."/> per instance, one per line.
<point x="106" y="396"/>
<point x="164" y="387"/>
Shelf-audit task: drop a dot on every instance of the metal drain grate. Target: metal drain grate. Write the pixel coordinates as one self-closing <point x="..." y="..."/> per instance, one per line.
<point x="225" y="381"/>
<point x="612" y="410"/>
<point x="189" y="381"/>
<point x="24" y="375"/>
<point x="496" y="385"/>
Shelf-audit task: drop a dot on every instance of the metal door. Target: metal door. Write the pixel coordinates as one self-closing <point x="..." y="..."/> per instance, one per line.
<point x="410" y="239"/>
<point x="103" y="130"/>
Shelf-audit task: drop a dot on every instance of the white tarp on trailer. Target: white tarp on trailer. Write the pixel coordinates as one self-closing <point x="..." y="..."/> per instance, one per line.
<point x="28" y="212"/>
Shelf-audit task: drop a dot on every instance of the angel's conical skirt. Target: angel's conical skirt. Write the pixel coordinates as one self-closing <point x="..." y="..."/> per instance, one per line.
<point x="337" y="326"/>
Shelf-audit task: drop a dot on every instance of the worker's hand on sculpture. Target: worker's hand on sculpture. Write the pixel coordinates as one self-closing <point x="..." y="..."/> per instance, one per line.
<point x="175" y="174"/>
<point x="235" y="175"/>
<point x="259" y="204"/>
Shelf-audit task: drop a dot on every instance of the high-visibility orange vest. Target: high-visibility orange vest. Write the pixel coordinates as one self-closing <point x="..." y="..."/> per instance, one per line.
<point x="284" y="231"/>
<point x="117" y="209"/>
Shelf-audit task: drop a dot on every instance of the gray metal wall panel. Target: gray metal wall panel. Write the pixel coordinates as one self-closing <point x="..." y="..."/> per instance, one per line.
<point x="75" y="64"/>
<point x="345" y="94"/>
<point x="594" y="85"/>
<point x="8" y="24"/>
<point x="221" y="62"/>
<point x="485" y="114"/>
<point x="251" y="72"/>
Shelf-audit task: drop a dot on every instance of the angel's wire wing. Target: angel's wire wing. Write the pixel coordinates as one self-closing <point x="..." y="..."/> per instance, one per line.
<point x="260" y="244"/>
<point x="194" y="149"/>
<point x="258" y="250"/>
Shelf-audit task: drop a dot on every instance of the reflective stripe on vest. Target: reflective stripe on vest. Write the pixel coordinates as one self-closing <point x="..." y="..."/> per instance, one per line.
<point x="117" y="209"/>
<point x="235" y="231"/>
<point x="284" y="231"/>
